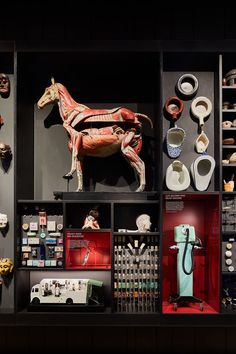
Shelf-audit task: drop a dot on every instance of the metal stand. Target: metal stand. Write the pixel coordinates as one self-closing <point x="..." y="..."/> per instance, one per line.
<point x="68" y="178"/>
<point x="175" y="300"/>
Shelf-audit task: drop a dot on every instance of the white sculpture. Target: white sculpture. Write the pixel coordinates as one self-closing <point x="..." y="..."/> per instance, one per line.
<point x="3" y="221"/>
<point x="143" y="223"/>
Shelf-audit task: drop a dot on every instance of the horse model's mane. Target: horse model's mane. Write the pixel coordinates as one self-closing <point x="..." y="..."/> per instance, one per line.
<point x="67" y="100"/>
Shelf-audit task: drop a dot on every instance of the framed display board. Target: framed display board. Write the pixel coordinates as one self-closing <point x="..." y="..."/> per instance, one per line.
<point x="88" y="249"/>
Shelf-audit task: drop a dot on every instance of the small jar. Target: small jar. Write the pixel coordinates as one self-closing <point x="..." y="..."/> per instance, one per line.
<point x="228" y="254"/>
<point x="229" y="186"/>
<point x="228" y="261"/>
<point x="229" y="246"/>
<point x="231" y="268"/>
<point x="226" y="105"/>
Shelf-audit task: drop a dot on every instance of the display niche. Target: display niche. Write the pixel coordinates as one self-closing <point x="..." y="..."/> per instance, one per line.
<point x="191" y="249"/>
<point x="41" y="240"/>
<point x="50" y="159"/>
<point x="228" y="121"/>
<point x="89" y="241"/>
<point x="228" y="250"/>
<point x="190" y="123"/>
<point x="136" y="257"/>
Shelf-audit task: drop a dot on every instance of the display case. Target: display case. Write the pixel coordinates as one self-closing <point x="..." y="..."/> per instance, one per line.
<point x="191" y="274"/>
<point x="187" y="96"/>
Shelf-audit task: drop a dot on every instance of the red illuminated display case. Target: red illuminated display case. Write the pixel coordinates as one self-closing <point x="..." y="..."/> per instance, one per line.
<point x="88" y="249"/>
<point x="202" y="212"/>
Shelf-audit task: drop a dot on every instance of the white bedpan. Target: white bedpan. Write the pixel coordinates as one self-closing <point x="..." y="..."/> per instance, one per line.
<point x="201" y="108"/>
<point x="201" y="143"/>
<point x="177" y="176"/>
<point x="202" y="169"/>
<point x="187" y="85"/>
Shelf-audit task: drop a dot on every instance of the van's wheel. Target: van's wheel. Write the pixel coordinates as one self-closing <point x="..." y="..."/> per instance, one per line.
<point x="69" y="301"/>
<point x="35" y="301"/>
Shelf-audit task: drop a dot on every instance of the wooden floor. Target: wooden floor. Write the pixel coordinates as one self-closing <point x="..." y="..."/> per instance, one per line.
<point x="116" y="340"/>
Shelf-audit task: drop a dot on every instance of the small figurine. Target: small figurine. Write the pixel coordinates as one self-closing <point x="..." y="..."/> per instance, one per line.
<point x="91" y="220"/>
<point x="4" y="85"/>
<point x="143" y="223"/>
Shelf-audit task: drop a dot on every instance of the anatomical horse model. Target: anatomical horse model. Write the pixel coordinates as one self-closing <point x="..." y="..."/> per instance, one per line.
<point x="97" y="142"/>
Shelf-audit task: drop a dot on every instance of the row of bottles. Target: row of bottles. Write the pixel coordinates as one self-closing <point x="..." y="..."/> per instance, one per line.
<point x="136" y="274"/>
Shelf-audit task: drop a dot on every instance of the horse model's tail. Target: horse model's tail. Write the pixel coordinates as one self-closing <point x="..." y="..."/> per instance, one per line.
<point x="146" y="117"/>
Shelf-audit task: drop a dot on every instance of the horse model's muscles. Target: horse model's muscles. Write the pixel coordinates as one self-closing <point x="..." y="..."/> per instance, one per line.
<point x="97" y="142"/>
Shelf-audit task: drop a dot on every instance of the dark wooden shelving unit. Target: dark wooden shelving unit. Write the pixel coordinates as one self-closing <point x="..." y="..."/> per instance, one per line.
<point x="140" y="75"/>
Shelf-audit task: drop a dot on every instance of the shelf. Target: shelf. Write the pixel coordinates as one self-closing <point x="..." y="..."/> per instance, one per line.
<point x="229" y="87"/>
<point x="228" y="311"/>
<point x="136" y="233"/>
<point x="182" y="194"/>
<point x="41" y="268"/>
<point x="37" y="201"/>
<point x="107" y="196"/>
<point x="228" y="129"/>
<point x="228" y="232"/>
<point x="65" y="308"/>
<point x="227" y="273"/>
<point x="228" y="110"/>
<point x="229" y="147"/>
<point x="106" y="317"/>
<point x="229" y="165"/>
<point x="229" y="193"/>
<point x="88" y="269"/>
<point x="86" y="230"/>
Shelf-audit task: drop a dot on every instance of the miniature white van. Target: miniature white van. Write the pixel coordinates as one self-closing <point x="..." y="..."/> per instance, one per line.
<point x="63" y="291"/>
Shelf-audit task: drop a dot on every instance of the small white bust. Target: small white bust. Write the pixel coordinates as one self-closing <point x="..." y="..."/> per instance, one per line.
<point x="143" y="223"/>
<point x="3" y="221"/>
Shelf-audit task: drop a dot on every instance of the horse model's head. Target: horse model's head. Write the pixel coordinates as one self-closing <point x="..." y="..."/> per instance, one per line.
<point x="50" y="95"/>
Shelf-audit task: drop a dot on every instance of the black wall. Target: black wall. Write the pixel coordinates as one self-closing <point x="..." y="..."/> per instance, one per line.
<point x="116" y="19"/>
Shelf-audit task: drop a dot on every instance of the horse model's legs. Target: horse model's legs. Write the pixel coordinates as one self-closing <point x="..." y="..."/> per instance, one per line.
<point x="76" y="164"/>
<point x="134" y="160"/>
<point x="79" y="169"/>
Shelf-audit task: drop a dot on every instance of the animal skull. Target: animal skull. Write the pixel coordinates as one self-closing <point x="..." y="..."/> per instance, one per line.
<point x="5" y="151"/>
<point x="4" y="85"/>
<point x="6" y="266"/>
<point x="3" y="221"/>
